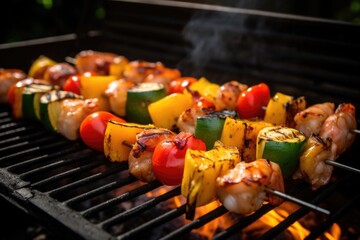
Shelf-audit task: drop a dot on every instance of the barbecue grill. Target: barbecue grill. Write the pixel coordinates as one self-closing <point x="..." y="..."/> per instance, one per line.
<point x="76" y="193"/>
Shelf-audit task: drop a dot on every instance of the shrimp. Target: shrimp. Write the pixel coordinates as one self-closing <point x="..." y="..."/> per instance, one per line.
<point x="334" y="138"/>
<point x="242" y="189"/>
<point x="228" y="94"/>
<point x="338" y="128"/>
<point x="73" y="112"/>
<point x="140" y="157"/>
<point x="117" y="94"/>
<point x="310" y="120"/>
<point x="93" y="61"/>
<point x="312" y="166"/>
<point x="137" y="71"/>
<point x="163" y="76"/>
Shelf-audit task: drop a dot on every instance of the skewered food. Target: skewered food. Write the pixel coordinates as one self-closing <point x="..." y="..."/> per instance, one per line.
<point x="242" y="188"/>
<point x="58" y="73"/>
<point x="94" y="61"/>
<point x="39" y="67"/>
<point x="141" y="154"/>
<point x="310" y="120"/>
<point x="334" y="138"/>
<point x="137" y="71"/>
<point x="9" y="77"/>
<point x="117" y="95"/>
<point x="228" y="95"/>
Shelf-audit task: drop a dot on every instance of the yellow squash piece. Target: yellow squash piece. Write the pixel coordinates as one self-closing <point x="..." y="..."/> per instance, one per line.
<point x="282" y="108"/>
<point x="243" y="135"/>
<point x="116" y="134"/>
<point x="94" y="87"/>
<point x="201" y="169"/>
<point x="39" y="66"/>
<point x="166" y="111"/>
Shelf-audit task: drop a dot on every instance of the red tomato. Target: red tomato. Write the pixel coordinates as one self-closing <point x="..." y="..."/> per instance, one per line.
<point x="168" y="157"/>
<point x="11" y="95"/>
<point x="180" y="84"/>
<point x="253" y="101"/>
<point x="92" y="128"/>
<point x="72" y="83"/>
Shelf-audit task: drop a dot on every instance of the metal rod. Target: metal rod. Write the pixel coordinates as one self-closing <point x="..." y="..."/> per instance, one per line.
<point x="339" y="165"/>
<point x="296" y="200"/>
<point x="356" y="131"/>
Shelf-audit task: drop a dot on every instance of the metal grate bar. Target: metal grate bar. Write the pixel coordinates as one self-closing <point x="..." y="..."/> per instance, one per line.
<point x="17" y="130"/>
<point x="140" y="208"/>
<point x="100" y="190"/>
<point x="11" y="140"/>
<point x="271" y="234"/>
<point x="66" y="174"/>
<point x="246" y="221"/>
<point x="128" y="195"/>
<point x="54" y="165"/>
<point x="321" y="228"/>
<point x="5" y="120"/>
<point x="83" y="181"/>
<point x="196" y="223"/>
<point x="44" y="157"/>
<point x="172" y="214"/>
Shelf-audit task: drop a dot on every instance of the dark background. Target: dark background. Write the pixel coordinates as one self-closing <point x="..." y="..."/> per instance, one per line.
<point x="31" y="19"/>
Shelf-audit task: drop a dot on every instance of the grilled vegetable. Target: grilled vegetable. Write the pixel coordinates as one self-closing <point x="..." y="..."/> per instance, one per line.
<point x="117" y="134"/>
<point x="242" y="134"/>
<point x="252" y="101"/>
<point x="50" y="107"/>
<point x="31" y="100"/>
<point x="282" y="145"/>
<point x="139" y="97"/>
<point x="209" y="127"/>
<point x="166" y="111"/>
<point x="94" y="87"/>
<point x="200" y="172"/>
<point x="92" y="129"/>
<point x="282" y="109"/>
<point x="169" y="154"/>
<point x="39" y="67"/>
<point x="207" y="89"/>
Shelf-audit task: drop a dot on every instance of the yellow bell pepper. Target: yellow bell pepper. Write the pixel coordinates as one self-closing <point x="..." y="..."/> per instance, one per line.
<point x="205" y="88"/>
<point x="201" y="168"/>
<point x="166" y="111"/>
<point x="243" y="135"/>
<point x="282" y="108"/>
<point x="116" y="134"/>
<point x="116" y="68"/>
<point x="94" y="87"/>
<point x="39" y="66"/>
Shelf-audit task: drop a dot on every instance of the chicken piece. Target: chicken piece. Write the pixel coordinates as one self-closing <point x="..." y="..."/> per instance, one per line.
<point x="187" y="120"/>
<point x="163" y="76"/>
<point x="228" y="95"/>
<point x="312" y="166"/>
<point x="9" y="77"/>
<point x="338" y="128"/>
<point x="73" y="112"/>
<point x="93" y="61"/>
<point x="59" y="73"/>
<point x="117" y="94"/>
<point x="140" y="157"/>
<point x="137" y="71"/>
<point x="312" y="118"/>
<point x="242" y="189"/>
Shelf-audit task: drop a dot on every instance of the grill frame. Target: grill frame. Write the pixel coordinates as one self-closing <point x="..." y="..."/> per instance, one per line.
<point x="58" y="216"/>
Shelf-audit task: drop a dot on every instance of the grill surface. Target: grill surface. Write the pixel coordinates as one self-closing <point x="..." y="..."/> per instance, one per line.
<point x="77" y="193"/>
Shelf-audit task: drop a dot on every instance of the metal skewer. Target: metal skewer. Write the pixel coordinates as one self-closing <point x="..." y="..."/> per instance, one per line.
<point x="296" y="200"/>
<point x="339" y="165"/>
<point x="357" y="131"/>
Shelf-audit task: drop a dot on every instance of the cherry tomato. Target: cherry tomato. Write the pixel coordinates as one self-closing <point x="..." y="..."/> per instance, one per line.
<point x="180" y="84"/>
<point x="11" y="95"/>
<point x="253" y="101"/>
<point x="168" y="157"/>
<point x="92" y="129"/>
<point x="72" y="83"/>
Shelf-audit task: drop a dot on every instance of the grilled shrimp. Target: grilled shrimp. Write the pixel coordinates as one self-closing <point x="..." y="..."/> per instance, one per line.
<point x="117" y="94"/>
<point x="73" y="112"/>
<point x="228" y="94"/>
<point x="338" y="128"/>
<point x="242" y="189"/>
<point x="8" y="77"/>
<point x="163" y="76"/>
<point x="137" y="71"/>
<point x="140" y="164"/>
<point x="312" y="166"/>
<point x="312" y="118"/>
